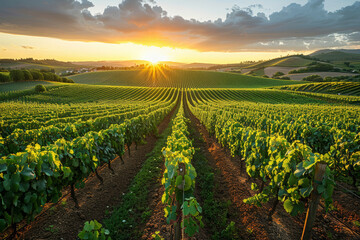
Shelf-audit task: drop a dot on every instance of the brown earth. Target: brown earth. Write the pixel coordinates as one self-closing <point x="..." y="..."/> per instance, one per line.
<point x="235" y="185"/>
<point x="64" y="221"/>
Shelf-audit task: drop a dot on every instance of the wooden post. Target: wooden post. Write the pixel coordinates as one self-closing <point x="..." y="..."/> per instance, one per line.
<point x="178" y="230"/>
<point x="314" y="202"/>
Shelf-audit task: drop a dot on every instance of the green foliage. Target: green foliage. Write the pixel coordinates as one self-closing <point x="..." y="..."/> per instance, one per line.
<point x="4" y="77"/>
<point x="37" y="75"/>
<point x="338" y="88"/>
<point x="40" y="88"/>
<point x="132" y="208"/>
<point x="285" y="164"/>
<point x="93" y="230"/>
<point x="157" y="236"/>
<point x="179" y="191"/>
<point x="178" y="78"/>
<point x="313" y="78"/>
<point x="17" y="75"/>
<point x="37" y="175"/>
<point x="277" y="74"/>
<point x="27" y="75"/>
<point x="315" y="67"/>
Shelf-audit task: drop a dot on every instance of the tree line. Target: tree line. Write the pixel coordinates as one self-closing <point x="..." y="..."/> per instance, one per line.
<point x="28" y="75"/>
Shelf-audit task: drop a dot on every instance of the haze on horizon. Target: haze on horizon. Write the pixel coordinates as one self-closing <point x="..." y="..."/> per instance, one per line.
<point x="184" y="31"/>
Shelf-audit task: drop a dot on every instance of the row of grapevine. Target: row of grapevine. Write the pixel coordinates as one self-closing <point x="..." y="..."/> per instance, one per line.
<point x="342" y="88"/>
<point x="19" y="139"/>
<point x="285" y="169"/>
<point x="181" y="207"/>
<point x="341" y="146"/>
<point x="32" y="178"/>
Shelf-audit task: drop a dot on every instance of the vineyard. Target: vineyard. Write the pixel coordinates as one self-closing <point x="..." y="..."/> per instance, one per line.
<point x="340" y="88"/>
<point x="167" y="77"/>
<point x="173" y="154"/>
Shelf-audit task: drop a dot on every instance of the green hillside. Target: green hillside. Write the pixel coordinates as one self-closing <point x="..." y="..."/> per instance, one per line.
<point x="339" y="88"/>
<point x="5" y="73"/>
<point x="290" y="61"/>
<point x="338" y="56"/>
<point x="161" y="77"/>
<point x="18" y="86"/>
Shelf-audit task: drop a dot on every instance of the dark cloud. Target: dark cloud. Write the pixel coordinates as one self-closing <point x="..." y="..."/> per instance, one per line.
<point x="296" y="26"/>
<point x="28" y="47"/>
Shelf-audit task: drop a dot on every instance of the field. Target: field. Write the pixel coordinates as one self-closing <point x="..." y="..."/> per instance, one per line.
<point x="153" y="152"/>
<point x="300" y="76"/>
<point x="339" y="88"/>
<point x="163" y="77"/>
<point x="19" y="86"/>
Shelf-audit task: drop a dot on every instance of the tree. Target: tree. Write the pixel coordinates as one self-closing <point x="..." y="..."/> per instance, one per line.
<point x="17" y="75"/>
<point x="37" y="75"/>
<point x="347" y="64"/>
<point x="27" y="75"/>
<point x="48" y="76"/>
<point x="4" y="78"/>
<point x="278" y="74"/>
<point x="313" y="78"/>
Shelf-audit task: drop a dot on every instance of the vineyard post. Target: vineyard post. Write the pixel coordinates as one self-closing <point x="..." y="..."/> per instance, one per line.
<point x="314" y="202"/>
<point x="178" y="230"/>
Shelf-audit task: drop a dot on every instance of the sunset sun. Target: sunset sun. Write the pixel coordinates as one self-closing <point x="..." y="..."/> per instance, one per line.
<point x="155" y="56"/>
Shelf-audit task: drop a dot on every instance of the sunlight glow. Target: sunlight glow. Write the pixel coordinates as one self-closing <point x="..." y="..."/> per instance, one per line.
<point x="155" y="55"/>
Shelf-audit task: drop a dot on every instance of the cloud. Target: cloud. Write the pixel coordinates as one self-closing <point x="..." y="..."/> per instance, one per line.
<point x="295" y="27"/>
<point x="27" y="47"/>
<point x="4" y="49"/>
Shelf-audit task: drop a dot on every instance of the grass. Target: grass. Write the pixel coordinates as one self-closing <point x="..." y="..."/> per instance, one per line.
<point x="338" y="56"/>
<point x="133" y="210"/>
<point x="212" y="208"/>
<point x="19" y="86"/>
<point x="293" y="62"/>
<point x="177" y="78"/>
<point x="5" y="73"/>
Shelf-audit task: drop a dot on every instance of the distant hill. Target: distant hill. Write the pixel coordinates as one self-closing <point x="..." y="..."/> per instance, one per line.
<point x="338" y="55"/>
<point x="355" y="51"/>
<point x="30" y="63"/>
<point x="168" y="77"/>
<point x="130" y="63"/>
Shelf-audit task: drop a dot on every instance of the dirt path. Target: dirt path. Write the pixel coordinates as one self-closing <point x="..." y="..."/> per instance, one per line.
<point x="251" y="220"/>
<point x="64" y="221"/>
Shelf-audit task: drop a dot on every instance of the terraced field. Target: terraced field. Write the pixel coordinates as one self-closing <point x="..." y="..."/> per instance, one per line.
<point x="338" y="88"/>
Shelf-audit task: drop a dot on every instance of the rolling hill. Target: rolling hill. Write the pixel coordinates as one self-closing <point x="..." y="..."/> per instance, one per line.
<point x="18" y="86"/>
<point x="339" y="88"/>
<point x="45" y="64"/>
<point x="166" y="77"/>
<point x="337" y="56"/>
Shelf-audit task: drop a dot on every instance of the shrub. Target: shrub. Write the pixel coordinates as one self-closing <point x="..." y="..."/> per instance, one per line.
<point x="265" y="76"/>
<point x="17" y="75"/>
<point x="40" y="88"/>
<point x="67" y="80"/>
<point x="313" y="78"/>
<point x="278" y="74"/>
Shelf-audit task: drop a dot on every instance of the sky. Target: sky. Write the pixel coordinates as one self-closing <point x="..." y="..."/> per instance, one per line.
<point x="213" y="31"/>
